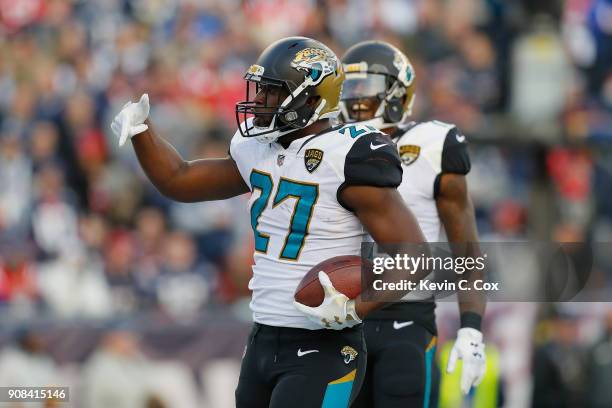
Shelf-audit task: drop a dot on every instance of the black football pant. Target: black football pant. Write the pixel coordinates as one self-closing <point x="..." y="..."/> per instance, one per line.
<point x="401" y="370"/>
<point x="297" y="368"/>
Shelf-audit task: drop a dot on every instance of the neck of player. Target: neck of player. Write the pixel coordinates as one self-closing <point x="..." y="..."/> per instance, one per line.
<point x="317" y="127"/>
<point x="390" y="131"/>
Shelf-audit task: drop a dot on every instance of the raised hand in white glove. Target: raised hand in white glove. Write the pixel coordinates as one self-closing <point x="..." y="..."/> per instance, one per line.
<point x="336" y="312"/>
<point x="130" y="120"/>
<point x="469" y="348"/>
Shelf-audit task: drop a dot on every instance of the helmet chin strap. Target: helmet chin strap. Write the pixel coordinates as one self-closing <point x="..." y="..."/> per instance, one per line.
<point x="267" y="136"/>
<point x="315" y="115"/>
<point x="408" y="111"/>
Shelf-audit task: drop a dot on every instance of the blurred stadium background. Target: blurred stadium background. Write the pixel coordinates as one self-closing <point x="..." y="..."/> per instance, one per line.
<point x="133" y="300"/>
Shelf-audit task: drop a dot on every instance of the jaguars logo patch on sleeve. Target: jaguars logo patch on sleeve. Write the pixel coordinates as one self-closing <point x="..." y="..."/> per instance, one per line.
<point x="312" y="159"/>
<point x="409" y="153"/>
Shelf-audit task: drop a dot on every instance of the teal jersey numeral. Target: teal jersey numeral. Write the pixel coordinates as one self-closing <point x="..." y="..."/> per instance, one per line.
<point x="263" y="183"/>
<point x="305" y="195"/>
<point x="357" y="130"/>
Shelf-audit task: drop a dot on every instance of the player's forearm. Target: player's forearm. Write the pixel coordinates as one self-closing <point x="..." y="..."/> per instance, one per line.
<point x="414" y="247"/>
<point x="395" y="229"/>
<point x="187" y="181"/>
<point x="471" y="301"/>
<point x="459" y="222"/>
<point x="159" y="160"/>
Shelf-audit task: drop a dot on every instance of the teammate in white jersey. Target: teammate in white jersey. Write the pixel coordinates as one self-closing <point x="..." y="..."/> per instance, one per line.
<point x="314" y="189"/>
<point x="401" y="338"/>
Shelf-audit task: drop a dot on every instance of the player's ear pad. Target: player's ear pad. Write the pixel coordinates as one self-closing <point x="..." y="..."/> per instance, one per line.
<point x="298" y="112"/>
<point x="393" y="110"/>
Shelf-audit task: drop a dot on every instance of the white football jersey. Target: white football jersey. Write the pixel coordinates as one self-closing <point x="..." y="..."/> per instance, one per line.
<point x="296" y="217"/>
<point x="428" y="150"/>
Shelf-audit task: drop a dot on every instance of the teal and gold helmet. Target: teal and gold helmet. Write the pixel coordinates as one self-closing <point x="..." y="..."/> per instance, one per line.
<point x="299" y="68"/>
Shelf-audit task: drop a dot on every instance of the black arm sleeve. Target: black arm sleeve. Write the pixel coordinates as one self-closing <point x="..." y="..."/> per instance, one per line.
<point x="455" y="156"/>
<point x="372" y="161"/>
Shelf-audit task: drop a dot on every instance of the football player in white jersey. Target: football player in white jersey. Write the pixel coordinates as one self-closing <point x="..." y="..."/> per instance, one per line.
<point x="314" y="189"/>
<point x="401" y="338"/>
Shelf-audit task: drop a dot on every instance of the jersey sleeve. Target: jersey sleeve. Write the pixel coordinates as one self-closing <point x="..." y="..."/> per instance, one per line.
<point x="455" y="156"/>
<point x="236" y="153"/>
<point x="373" y="160"/>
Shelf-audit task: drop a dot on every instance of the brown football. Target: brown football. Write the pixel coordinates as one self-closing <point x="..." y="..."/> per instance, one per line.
<point x="344" y="273"/>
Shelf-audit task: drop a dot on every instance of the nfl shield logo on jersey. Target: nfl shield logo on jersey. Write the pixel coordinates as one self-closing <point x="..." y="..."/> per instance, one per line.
<point x="312" y="159"/>
<point x="409" y="153"/>
<point x="280" y="160"/>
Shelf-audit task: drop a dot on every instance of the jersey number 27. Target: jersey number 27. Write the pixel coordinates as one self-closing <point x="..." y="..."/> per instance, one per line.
<point x="305" y="195"/>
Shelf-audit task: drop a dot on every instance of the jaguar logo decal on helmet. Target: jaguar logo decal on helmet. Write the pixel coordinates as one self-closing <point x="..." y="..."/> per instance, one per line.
<point x="405" y="69"/>
<point x="316" y="62"/>
<point x="310" y="55"/>
<point x="409" y="73"/>
<point x="398" y="61"/>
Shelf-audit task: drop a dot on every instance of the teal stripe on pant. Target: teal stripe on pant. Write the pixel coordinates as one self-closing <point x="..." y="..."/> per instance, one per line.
<point x="337" y="395"/>
<point x="429" y="356"/>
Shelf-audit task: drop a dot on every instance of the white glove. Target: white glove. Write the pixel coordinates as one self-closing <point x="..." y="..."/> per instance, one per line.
<point x="130" y="120"/>
<point x="336" y="312"/>
<point x="469" y="348"/>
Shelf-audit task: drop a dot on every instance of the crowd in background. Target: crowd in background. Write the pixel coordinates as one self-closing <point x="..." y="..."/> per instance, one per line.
<point x="85" y="236"/>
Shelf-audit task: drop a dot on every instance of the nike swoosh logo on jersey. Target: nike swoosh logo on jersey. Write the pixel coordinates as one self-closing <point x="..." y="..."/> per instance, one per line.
<point x="460" y="139"/>
<point x="374" y="147"/>
<point x="397" y="325"/>
<point x="301" y="353"/>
